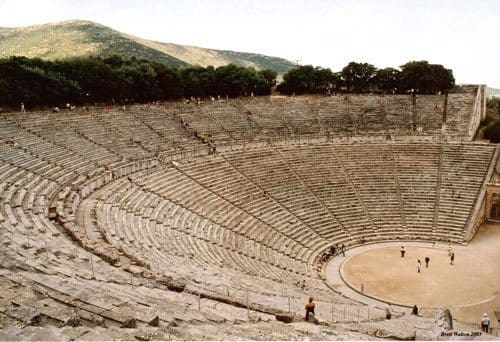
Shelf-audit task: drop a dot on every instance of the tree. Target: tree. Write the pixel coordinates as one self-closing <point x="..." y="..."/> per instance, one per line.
<point x="268" y="76"/>
<point x="323" y="80"/>
<point x="357" y="77"/>
<point x="492" y="132"/>
<point x="93" y="76"/>
<point x="427" y="78"/>
<point x="142" y="83"/>
<point x="494" y="104"/>
<point x="169" y="81"/>
<point x="306" y="79"/>
<point x="387" y="79"/>
<point x="232" y="80"/>
<point x="198" y="81"/>
<point x="34" y="83"/>
<point x="115" y="61"/>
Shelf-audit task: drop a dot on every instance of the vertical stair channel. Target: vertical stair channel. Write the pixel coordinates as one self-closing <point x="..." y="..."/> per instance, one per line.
<point x="438" y="187"/>
<point x="398" y="190"/>
<point x="445" y="110"/>
<point x="414" y="111"/>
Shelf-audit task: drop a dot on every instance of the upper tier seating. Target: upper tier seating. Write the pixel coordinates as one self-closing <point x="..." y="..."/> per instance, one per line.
<point x="103" y="210"/>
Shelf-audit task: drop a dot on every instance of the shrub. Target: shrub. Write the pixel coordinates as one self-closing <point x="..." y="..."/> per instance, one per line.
<point x="492" y="132"/>
<point x="494" y="103"/>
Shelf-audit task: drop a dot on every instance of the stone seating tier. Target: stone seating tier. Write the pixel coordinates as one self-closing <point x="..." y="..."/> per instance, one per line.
<point x="92" y="202"/>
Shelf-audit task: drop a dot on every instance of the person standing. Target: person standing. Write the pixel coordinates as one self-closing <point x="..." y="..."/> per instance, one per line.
<point x="452" y="258"/>
<point x="388" y="312"/>
<point x="342" y="249"/>
<point x="23" y="110"/>
<point x="403" y="251"/>
<point x="427" y="259"/>
<point x="419" y="264"/>
<point x="310" y="308"/>
<point x="485" y="323"/>
<point x="414" y="311"/>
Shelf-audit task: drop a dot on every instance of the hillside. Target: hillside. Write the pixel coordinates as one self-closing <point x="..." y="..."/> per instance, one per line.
<point x="76" y="38"/>
<point x="201" y="56"/>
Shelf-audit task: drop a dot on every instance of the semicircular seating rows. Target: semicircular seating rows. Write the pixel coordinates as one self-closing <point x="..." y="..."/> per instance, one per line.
<point x="104" y="211"/>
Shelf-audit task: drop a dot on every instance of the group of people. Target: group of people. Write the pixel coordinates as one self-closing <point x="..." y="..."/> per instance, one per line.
<point x="200" y="136"/>
<point x="419" y="263"/>
<point x="485" y="321"/>
<point x="332" y="252"/>
<point x="427" y="260"/>
<point x="68" y="107"/>
<point x="199" y="101"/>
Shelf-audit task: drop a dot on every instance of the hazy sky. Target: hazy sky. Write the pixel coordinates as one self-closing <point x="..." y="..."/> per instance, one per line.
<point x="461" y="35"/>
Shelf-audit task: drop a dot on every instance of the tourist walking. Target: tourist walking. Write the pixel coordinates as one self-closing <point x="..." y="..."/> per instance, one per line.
<point x="485" y="323"/>
<point x="452" y="258"/>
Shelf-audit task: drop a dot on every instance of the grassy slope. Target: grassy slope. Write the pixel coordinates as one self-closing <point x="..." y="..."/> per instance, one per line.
<point x="202" y="56"/>
<point x="80" y="38"/>
<point x="75" y="38"/>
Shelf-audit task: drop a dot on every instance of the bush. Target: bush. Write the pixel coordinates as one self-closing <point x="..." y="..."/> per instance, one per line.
<point x="492" y="132"/>
<point x="487" y="120"/>
<point x="494" y="103"/>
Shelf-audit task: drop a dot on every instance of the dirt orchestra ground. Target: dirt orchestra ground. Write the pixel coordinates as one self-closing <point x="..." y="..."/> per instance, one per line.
<point x="469" y="288"/>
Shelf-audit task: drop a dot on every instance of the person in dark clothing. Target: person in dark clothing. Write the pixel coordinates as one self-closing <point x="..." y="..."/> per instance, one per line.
<point x="342" y="249"/>
<point x="414" y="311"/>
<point x="427" y="259"/>
<point x="310" y="308"/>
<point x="403" y="251"/>
<point x="452" y="258"/>
<point x="333" y="250"/>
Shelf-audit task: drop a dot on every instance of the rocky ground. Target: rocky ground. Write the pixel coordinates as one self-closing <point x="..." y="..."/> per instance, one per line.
<point x="406" y="327"/>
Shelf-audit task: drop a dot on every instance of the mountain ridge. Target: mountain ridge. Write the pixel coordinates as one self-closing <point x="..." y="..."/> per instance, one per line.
<point x="79" y="38"/>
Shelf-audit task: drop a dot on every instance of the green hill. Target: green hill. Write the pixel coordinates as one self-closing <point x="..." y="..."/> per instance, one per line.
<point x="76" y="38"/>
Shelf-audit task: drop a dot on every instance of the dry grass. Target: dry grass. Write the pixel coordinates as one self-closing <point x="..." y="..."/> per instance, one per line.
<point x="82" y="38"/>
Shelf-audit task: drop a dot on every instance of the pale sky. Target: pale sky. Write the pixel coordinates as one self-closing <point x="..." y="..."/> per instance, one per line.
<point x="461" y="35"/>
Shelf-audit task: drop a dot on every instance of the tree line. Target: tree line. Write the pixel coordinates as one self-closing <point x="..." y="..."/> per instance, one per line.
<point x="416" y="76"/>
<point x="94" y="79"/>
<point x="91" y="80"/>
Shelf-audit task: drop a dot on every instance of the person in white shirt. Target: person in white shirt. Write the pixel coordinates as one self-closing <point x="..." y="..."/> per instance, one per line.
<point x="485" y="323"/>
